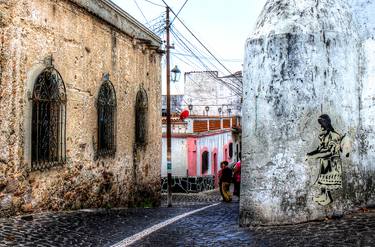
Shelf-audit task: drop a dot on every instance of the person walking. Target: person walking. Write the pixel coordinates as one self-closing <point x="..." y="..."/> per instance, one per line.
<point x="219" y="177"/>
<point x="237" y="178"/>
<point x="226" y="178"/>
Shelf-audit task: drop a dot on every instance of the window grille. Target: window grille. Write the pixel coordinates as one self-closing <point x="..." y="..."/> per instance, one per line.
<point x="141" y="109"/>
<point x="48" y="120"/>
<point x="106" y="105"/>
<point x="230" y="150"/>
<point x="204" y="162"/>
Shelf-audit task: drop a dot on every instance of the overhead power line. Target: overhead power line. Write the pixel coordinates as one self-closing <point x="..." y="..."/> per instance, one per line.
<point x="190" y="48"/>
<point x="200" y="42"/>
<point x="155" y="3"/>
<point x="179" y="12"/>
<point x="203" y="60"/>
<point x="208" y="58"/>
<point x="135" y="1"/>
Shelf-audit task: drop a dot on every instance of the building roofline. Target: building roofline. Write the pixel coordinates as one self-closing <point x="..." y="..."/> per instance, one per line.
<point x="198" y="134"/>
<point x="116" y="16"/>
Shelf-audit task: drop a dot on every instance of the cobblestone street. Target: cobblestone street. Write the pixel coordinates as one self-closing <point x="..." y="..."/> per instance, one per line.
<point x="214" y="226"/>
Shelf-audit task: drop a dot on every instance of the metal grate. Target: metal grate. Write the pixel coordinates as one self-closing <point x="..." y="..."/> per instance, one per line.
<point x="48" y="120"/>
<point x="106" y="119"/>
<point x="141" y="109"/>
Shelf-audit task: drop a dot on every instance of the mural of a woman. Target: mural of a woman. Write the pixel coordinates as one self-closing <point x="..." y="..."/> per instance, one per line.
<point x="328" y="155"/>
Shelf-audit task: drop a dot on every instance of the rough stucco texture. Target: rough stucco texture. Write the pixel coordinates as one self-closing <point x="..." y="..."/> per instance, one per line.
<point x="83" y="48"/>
<point x="304" y="59"/>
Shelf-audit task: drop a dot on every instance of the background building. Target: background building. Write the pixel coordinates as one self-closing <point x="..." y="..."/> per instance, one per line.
<point x="211" y="134"/>
<point x="76" y="78"/>
<point x="205" y="90"/>
<point x="199" y="144"/>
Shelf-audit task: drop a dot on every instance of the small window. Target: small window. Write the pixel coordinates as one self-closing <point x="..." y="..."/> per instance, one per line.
<point x="106" y="119"/>
<point x="230" y="150"/>
<point x="204" y="162"/>
<point x="141" y="109"/>
<point x="48" y="120"/>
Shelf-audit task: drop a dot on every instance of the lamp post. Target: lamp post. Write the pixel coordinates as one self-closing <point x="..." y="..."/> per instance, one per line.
<point x="176" y="73"/>
<point x="207" y="108"/>
<point x="174" y="78"/>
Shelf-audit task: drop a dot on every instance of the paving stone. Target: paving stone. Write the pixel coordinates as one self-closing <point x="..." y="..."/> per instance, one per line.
<point x="215" y="226"/>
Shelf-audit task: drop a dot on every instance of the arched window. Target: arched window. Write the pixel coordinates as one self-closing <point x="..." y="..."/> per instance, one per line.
<point x="48" y="120"/>
<point x="230" y="150"/>
<point x="141" y="109"/>
<point x="106" y="119"/>
<point x="204" y="162"/>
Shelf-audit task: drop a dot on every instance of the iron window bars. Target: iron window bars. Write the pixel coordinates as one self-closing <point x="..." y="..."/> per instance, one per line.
<point x="48" y="120"/>
<point x="141" y="109"/>
<point x="106" y="105"/>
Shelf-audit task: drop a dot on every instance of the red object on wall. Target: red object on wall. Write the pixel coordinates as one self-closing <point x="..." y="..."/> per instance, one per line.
<point x="184" y="114"/>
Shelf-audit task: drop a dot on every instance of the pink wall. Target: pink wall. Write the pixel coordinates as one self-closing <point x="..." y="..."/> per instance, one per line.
<point x="192" y="156"/>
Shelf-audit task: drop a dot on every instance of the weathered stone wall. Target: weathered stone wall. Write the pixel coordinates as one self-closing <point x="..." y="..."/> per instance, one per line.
<point x="305" y="59"/>
<point x="83" y="47"/>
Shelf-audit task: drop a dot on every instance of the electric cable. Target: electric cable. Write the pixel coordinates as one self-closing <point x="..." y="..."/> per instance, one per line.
<point x="238" y="86"/>
<point x="155" y="3"/>
<point x="135" y="1"/>
<point x="200" y="42"/>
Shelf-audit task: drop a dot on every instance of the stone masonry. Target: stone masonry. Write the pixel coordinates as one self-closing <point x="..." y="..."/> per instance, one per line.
<point x="308" y="60"/>
<point x="86" y="39"/>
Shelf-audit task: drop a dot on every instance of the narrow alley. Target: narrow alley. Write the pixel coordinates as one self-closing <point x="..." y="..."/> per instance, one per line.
<point x="214" y="226"/>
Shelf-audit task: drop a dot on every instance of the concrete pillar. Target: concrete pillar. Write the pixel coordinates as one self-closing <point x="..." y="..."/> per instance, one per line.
<point x="302" y="61"/>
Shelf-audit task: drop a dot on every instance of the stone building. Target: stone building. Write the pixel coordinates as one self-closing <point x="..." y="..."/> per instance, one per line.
<point x="308" y="119"/>
<point x="79" y="107"/>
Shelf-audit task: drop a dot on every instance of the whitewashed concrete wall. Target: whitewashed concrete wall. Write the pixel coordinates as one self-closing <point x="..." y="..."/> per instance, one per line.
<point x="179" y="157"/>
<point x="303" y="60"/>
<point x="205" y="88"/>
<point x="364" y="13"/>
<point x="180" y="152"/>
<point x="215" y="141"/>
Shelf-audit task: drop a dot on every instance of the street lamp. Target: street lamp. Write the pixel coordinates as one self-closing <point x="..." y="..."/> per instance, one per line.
<point x="207" y="108"/>
<point x="175" y="74"/>
<point x="219" y="110"/>
<point x="229" y="111"/>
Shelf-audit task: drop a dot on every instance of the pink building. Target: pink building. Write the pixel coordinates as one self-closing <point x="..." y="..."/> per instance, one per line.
<point x="199" y="144"/>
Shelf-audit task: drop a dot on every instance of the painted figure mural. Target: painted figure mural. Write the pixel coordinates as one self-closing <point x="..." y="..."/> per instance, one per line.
<point x="328" y="155"/>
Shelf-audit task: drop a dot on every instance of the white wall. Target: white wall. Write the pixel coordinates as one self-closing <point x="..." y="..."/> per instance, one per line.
<point x="179" y="157"/>
<point x="180" y="152"/>
<point x="302" y="61"/>
<point x="205" y="89"/>
<point x="211" y="142"/>
<point x="364" y="15"/>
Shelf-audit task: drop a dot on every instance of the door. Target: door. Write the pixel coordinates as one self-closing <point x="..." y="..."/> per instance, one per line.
<point x="214" y="163"/>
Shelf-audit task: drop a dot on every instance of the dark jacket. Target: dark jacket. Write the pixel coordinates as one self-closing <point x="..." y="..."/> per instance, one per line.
<point x="226" y="175"/>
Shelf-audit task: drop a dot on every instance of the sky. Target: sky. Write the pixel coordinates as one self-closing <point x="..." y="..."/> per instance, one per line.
<point x="221" y="25"/>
